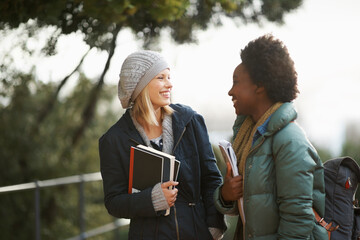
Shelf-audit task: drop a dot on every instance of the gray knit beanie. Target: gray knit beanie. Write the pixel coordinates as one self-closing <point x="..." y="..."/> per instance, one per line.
<point x="138" y="69"/>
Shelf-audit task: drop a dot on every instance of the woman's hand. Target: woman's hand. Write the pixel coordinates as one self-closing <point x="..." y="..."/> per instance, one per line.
<point x="232" y="190"/>
<point x="170" y="192"/>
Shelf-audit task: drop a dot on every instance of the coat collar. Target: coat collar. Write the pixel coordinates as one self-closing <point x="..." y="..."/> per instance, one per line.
<point x="279" y="119"/>
<point x="128" y="126"/>
<point x="282" y="117"/>
<point x="180" y="118"/>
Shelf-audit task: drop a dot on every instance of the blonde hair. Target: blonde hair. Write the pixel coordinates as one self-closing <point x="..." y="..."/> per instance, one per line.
<point x="143" y="109"/>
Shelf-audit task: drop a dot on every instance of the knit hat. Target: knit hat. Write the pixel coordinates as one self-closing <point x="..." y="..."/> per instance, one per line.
<point x="138" y="69"/>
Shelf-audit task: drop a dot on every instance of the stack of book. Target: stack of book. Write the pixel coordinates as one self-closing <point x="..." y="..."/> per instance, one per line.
<point x="149" y="166"/>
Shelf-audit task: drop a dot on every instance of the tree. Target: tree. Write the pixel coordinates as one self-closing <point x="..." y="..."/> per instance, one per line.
<point x="54" y="148"/>
<point x="26" y="157"/>
<point x="100" y="21"/>
<point x="351" y="144"/>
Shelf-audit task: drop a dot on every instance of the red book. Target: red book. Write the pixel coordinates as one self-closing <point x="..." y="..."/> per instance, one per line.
<point x="146" y="169"/>
<point x="131" y="170"/>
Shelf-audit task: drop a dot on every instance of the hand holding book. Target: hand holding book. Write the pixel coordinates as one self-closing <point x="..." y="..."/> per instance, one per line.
<point x="149" y="167"/>
<point x="170" y="192"/>
<point x="232" y="189"/>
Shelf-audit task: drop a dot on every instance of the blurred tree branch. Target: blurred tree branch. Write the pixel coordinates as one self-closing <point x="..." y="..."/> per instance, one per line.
<point x="88" y="112"/>
<point x="99" y="23"/>
<point x="52" y="99"/>
<point x="68" y="132"/>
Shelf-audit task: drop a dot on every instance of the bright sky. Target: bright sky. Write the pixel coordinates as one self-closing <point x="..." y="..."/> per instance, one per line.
<point x="323" y="38"/>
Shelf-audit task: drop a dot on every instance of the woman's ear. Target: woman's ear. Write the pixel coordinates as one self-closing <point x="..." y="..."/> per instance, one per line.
<point x="260" y="90"/>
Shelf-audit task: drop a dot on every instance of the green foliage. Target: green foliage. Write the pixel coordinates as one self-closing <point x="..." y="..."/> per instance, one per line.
<point x="97" y="19"/>
<point x="351" y="148"/>
<point x="30" y="149"/>
<point x="324" y="153"/>
<point x="274" y="9"/>
<point x="30" y="152"/>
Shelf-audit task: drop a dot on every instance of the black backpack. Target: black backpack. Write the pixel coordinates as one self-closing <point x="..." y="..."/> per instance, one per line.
<point x="342" y="176"/>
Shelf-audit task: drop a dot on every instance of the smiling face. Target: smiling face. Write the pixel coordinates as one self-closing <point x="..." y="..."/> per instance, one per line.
<point x="243" y="92"/>
<point x="159" y="89"/>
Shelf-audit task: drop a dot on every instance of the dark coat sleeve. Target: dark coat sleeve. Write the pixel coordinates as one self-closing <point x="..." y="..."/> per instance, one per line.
<point x="210" y="174"/>
<point x="114" y="170"/>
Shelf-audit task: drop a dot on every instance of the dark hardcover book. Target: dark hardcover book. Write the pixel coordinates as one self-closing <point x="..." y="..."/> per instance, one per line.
<point x="149" y="166"/>
<point x="171" y="165"/>
<point x="146" y="169"/>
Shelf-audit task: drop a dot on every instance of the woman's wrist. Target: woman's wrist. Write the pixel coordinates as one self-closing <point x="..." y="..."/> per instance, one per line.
<point x="158" y="198"/>
<point x="223" y="201"/>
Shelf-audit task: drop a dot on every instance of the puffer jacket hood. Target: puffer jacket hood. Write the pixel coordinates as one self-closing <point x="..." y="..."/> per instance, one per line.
<point x="279" y="119"/>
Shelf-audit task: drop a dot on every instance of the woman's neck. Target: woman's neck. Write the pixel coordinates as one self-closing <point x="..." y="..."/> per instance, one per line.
<point x="260" y="110"/>
<point x="152" y="131"/>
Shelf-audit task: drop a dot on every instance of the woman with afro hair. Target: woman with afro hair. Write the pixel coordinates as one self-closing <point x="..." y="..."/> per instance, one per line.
<point x="280" y="180"/>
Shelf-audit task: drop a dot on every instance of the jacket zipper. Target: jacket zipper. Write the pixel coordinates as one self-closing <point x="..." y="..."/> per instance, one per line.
<point x="177" y="143"/>
<point x="176" y="224"/>
<point x="175" y="215"/>
<point x="262" y="141"/>
<point x="244" y="181"/>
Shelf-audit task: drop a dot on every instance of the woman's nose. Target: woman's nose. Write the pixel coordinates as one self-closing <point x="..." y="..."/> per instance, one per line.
<point x="168" y="83"/>
<point x="230" y="92"/>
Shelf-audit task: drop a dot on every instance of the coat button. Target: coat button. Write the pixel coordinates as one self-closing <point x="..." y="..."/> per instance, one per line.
<point x="250" y="166"/>
<point x="249" y="235"/>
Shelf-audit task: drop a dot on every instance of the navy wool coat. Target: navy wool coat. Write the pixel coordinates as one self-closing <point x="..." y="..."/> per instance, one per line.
<point x="199" y="176"/>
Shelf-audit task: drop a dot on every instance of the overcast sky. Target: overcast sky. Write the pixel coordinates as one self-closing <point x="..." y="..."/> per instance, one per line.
<point x="323" y="38"/>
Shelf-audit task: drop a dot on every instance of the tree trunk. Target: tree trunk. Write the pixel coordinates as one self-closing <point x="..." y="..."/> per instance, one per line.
<point x="44" y="112"/>
<point x="88" y="112"/>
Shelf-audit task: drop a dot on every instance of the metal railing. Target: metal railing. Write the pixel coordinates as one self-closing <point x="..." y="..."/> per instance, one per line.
<point x="80" y="179"/>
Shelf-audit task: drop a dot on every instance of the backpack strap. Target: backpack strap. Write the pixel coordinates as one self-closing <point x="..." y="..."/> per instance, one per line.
<point x="328" y="226"/>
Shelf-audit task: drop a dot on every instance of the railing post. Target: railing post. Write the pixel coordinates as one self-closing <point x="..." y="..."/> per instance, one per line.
<point x="37" y="186"/>
<point x="116" y="231"/>
<point x="37" y="212"/>
<point x="82" y="208"/>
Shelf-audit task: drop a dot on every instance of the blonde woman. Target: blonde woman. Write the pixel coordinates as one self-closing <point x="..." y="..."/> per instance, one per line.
<point x="150" y="119"/>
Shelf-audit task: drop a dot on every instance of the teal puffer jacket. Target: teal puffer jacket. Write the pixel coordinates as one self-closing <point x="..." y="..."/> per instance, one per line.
<point x="283" y="181"/>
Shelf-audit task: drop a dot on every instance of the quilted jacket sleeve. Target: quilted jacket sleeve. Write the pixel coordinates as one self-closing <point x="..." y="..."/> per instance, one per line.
<point x="231" y="210"/>
<point x="295" y="164"/>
